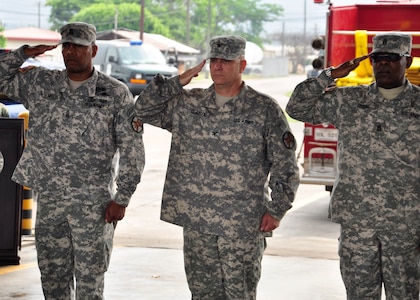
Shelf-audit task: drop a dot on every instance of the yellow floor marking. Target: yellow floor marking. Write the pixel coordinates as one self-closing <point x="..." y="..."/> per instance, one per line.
<point x="10" y="269"/>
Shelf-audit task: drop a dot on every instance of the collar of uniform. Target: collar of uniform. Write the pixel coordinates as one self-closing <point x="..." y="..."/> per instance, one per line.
<point x="231" y="105"/>
<point x="404" y="99"/>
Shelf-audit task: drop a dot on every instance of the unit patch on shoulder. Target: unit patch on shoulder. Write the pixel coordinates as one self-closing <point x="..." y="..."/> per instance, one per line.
<point x="26" y="69"/>
<point x="289" y="140"/>
<point x="137" y="124"/>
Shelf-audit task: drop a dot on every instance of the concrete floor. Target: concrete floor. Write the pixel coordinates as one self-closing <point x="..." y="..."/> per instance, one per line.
<point x="158" y="274"/>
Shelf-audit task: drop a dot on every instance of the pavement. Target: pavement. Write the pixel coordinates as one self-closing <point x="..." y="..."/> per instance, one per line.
<point x="157" y="274"/>
<point x="300" y="262"/>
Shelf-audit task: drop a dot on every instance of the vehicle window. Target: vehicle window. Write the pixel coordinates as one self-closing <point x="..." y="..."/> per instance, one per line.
<point x="112" y="51"/>
<point x="141" y="55"/>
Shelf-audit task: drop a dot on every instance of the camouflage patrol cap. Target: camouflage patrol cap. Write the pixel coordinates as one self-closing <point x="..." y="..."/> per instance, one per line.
<point x="392" y="42"/>
<point x="79" y="33"/>
<point x="227" y="47"/>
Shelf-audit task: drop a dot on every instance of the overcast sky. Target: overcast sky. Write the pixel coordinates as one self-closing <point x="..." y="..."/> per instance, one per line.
<point x="24" y="13"/>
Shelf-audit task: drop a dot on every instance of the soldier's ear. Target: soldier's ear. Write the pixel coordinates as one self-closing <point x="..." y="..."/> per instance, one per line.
<point x="94" y="50"/>
<point x="243" y="64"/>
<point x="409" y="61"/>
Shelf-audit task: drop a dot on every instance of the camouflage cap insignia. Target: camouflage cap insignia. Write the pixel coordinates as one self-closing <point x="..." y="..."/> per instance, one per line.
<point x="26" y="69"/>
<point x="137" y="124"/>
<point x="289" y="140"/>
<point x="228" y="47"/>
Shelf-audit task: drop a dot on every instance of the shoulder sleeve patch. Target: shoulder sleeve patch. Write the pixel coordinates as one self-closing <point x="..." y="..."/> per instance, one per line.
<point x="137" y="124"/>
<point x="289" y="140"/>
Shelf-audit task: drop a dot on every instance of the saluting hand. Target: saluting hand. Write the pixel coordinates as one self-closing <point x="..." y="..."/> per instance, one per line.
<point x="186" y="77"/>
<point x="346" y="67"/>
<point x="32" y="51"/>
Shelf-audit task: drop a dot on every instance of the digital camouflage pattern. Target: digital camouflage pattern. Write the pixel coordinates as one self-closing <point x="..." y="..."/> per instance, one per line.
<point x="398" y="258"/>
<point x="217" y="183"/>
<point x="78" y="33"/>
<point x="392" y="43"/>
<point x="377" y="186"/>
<point x="220" y="158"/>
<point x="92" y="247"/>
<point x="240" y="260"/>
<point x="378" y="149"/>
<point x="228" y="47"/>
<point x="72" y="138"/>
<point x="74" y="135"/>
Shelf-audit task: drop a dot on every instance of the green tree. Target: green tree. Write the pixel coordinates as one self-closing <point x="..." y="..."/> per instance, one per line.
<point x="62" y="11"/>
<point x="214" y="17"/>
<point x="124" y="15"/>
<point x="188" y="21"/>
<point x="173" y="15"/>
<point x="2" y="38"/>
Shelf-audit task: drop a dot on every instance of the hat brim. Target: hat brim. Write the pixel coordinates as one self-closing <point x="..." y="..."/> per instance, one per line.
<point x="385" y="51"/>
<point x="222" y="56"/>
<point x="76" y="41"/>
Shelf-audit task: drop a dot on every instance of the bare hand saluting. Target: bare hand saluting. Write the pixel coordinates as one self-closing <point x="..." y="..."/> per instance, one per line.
<point x="346" y="67"/>
<point x="32" y="51"/>
<point x="186" y="77"/>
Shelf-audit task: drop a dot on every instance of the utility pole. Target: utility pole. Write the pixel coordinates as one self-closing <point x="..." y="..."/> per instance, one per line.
<point x="39" y="14"/>
<point x="141" y="19"/>
<point x="187" y="36"/>
<point x="208" y="22"/>
<point x="283" y="42"/>
<point x="116" y="20"/>
<point x="208" y="34"/>
<point x="304" y="30"/>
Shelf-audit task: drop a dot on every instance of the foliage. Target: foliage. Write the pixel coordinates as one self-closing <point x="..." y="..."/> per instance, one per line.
<point x="124" y="15"/>
<point x="2" y="38"/>
<point x="191" y="22"/>
<point x="62" y="11"/>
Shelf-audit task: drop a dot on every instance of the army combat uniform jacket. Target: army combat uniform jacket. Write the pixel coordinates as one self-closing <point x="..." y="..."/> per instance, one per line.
<point x="73" y="136"/>
<point x="220" y="158"/>
<point x="378" y="150"/>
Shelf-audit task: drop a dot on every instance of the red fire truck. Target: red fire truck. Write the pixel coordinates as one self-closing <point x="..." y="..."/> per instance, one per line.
<point x="350" y="30"/>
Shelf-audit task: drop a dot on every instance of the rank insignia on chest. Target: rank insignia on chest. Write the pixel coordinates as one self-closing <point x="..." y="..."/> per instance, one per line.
<point x="137" y="124"/>
<point x="92" y="102"/>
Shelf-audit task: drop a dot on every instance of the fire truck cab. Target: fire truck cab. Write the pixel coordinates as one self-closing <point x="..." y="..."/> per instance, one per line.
<point x="350" y="30"/>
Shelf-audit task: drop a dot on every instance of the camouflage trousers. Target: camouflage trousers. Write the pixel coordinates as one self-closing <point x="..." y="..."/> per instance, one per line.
<point x="74" y="245"/>
<point x="218" y="268"/>
<point x="370" y="258"/>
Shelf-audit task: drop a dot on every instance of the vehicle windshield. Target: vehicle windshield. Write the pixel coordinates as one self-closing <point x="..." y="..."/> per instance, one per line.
<point x="142" y="54"/>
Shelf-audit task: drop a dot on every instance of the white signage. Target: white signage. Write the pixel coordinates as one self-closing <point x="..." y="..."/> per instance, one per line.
<point x="326" y="134"/>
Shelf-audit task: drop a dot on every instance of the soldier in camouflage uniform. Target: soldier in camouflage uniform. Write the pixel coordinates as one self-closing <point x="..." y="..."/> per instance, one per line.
<point x="79" y="119"/>
<point x="376" y="193"/>
<point x="227" y="141"/>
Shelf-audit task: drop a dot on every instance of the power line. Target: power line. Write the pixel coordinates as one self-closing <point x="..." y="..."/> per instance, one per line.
<point x="20" y="12"/>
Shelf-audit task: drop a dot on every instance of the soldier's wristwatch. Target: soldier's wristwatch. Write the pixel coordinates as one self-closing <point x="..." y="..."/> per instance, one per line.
<point x="328" y="73"/>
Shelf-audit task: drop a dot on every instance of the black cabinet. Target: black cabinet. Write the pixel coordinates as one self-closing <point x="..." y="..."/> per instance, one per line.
<point x="11" y="147"/>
